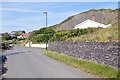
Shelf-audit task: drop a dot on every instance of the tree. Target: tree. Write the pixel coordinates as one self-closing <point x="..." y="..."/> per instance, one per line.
<point x="41" y="35"/>
<point x="6" y="36"/>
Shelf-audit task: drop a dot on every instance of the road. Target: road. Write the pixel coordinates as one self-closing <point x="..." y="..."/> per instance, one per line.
<point x="32" y="63"/>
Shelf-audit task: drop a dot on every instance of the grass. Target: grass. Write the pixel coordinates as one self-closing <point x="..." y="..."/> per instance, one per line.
<point x="0" y="39"/>
<point x="86" y="65"/>
<point x="102" y="35"/>
<point x="20" y="43"/>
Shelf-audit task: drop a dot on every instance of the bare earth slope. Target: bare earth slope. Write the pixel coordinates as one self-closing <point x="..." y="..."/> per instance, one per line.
<point x="106" y="16"/>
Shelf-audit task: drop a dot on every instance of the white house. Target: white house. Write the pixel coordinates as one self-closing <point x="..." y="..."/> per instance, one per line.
<point x="20" y="36"/>
<point x="90" y="23"/>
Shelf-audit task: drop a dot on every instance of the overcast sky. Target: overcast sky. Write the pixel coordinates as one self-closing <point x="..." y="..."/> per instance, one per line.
<point x="29" y="16"/>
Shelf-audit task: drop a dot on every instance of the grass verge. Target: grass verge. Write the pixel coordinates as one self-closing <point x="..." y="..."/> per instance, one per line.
<point x="20" y="43"/>
<point x="88" y="66"/>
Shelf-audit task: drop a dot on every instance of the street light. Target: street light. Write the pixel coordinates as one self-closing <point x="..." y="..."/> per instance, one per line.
<point x="46" y="28"/>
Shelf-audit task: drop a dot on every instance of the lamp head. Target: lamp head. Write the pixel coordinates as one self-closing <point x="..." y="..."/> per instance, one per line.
<point x="45" y="12"/>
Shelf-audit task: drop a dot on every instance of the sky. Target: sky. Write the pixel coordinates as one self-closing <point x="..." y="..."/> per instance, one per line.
<point x="29" y="16"/>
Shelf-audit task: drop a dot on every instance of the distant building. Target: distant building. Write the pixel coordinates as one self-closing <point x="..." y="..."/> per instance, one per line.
<point x="23" y="35"/>
<point x="20" y="36"/>
<point x="13" y="36"/>
<point x="13" y="32"/>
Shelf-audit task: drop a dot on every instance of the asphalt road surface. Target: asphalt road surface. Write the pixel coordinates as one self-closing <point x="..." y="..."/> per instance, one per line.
<point x="32" y="63"/>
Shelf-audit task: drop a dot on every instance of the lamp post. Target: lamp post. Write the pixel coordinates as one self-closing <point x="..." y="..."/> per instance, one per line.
<point x="46" y="28"/>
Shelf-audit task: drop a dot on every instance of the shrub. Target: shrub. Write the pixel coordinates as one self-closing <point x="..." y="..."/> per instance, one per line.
<point x="41" y="35"/>
<point x="65" y="34"/>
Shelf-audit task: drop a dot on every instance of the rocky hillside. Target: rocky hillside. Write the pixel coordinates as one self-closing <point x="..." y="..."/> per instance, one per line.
<point x="105" y="16"/>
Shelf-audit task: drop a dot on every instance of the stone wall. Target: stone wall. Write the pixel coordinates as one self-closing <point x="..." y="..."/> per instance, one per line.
<point x="100" y="52"/>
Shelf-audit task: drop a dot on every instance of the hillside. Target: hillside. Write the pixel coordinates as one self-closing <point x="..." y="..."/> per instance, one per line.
<point x="65" y="30"/>
<point x="105" y="16"/>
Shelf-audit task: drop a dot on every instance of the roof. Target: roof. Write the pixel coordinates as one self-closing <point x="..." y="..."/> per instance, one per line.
<point x="25" y="34"/>
<point x="90" y="23"/>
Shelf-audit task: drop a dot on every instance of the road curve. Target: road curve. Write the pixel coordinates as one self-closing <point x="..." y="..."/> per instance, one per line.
<point x="31" y="63"/>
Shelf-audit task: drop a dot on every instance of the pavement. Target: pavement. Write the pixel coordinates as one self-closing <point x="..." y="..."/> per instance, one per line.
<point x="32" y="63"/>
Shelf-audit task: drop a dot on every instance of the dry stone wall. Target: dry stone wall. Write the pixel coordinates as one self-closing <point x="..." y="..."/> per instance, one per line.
<point x="100" y="52"/>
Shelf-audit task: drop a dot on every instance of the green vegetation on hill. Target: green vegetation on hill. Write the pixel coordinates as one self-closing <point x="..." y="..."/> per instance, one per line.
<point x="43" y="34"/>
<point x="65" y="34"/>
<point x="101" y="35"/>
<point x="88" y="34"/>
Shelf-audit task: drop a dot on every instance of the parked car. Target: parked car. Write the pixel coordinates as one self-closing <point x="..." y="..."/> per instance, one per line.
<point x="3" y="46"/>
<point x="3" y="58"/>
<point x="3" y="68"/>
<point x="11" y="45"/>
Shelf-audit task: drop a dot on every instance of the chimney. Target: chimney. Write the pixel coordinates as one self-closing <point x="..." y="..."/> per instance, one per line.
<point x="93" y="17"/>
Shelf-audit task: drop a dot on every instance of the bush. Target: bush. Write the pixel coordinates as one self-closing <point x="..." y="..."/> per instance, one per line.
<point x="48" y="34"/>
<point x="65" y="34"/>
<point x="42" y="35"/>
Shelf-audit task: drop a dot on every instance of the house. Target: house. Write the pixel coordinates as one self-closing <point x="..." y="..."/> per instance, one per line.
<point x="23" y="35"/>
<point x="20" y="36"/>
<point x="13" y="36"/>
<point x="91" y="23"/>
